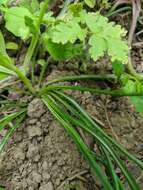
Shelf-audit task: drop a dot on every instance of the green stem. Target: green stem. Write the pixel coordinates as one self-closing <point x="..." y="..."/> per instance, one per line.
<point x="35" y="37"/>
<point x="132" y="71"/>
<point x="43" y="71"/>
<point x="7" y="63"/>
<point x="29" y="53"/>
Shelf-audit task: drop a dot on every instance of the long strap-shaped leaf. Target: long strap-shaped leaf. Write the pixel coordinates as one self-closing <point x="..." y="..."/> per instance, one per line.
<point x="72" y="132"/>
<point x="115" y="178"/>
<point x="118" y="92"/>
<point x="5" y="120"/>
<point x="108" y="77"/>
<point x="87" y="128"/>
<point x="99" y="130"/>
<point x="11" y="131"/>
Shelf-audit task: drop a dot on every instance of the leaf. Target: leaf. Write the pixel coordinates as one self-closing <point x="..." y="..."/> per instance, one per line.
<point x="15" y="21"/>
<point x="2" y="44"/>
<point x="3" y="2"/>
<point x="98" y="47"/>
<point x="12" y="46"/>
<point x="48" y="18"/>
<point x="75" y="8"/>
<point x="61" y="51"/>
<point x="130" y="87"/>
<point x="118" y="50"/>
<point x="32" y="5"/>
<point x="106" y="33"/>
<point x="4" y="73"/>
<point x="137" y="101"/>
<point x="64" y="120"/>
<point x="95" y="22"/>
<point x="31" y="25"/>
<point x="10" y="132"/>
<point x="118" y="68"/>
<point x="90" y="3"/>
<point x="65" y="32"/>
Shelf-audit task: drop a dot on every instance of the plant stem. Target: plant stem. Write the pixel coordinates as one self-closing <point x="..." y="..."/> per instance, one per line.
<point x="43" y="71"/>
<point x="35" y="37"/>
<point x="29" y="53"/>
<point x="132" y="71"/>
<point x="25" y="80"/>
<point x="7" y="63"/>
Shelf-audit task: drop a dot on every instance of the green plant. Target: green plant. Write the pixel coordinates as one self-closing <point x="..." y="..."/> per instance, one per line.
<point x="69" y="35"/>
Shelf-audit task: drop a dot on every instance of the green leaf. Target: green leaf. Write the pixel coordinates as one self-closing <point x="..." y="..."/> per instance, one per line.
<point x="90" y="3"/>
<point x="5" y="120"/>
<point x="98" y="47"/>
<point x="12" y="46"/>
<point x="61" y="51"/>
<point x="2" y="188"/>
<point x="10" y="132"/>
<point x="130" y="87"/>
<point x="75" y="8"/>
<point x="32" y="5"/>
<point x="15" y="21"/>
<point x="95" y="22"/>
<point x="118" y="68"/>
<point x="30" y="23"/>
<point x="3" y="2"/>
<point x="48" y="18"/>
<point x="67" y="124"/>
<point x="2" y="44"/>
<point x="65" y="32"/>
<point x="6" y="71"/>
<point x="109" y="35"/>
<point x="119" y="51"/>
<point x="137" y="101"/>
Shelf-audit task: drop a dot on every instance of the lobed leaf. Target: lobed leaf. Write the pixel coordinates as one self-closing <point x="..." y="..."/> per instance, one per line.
<point x="65" y="32"/>
<point x="62" y="51"/>
<point x="106" y="37"/>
